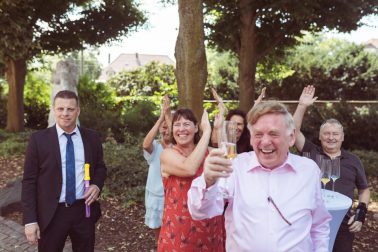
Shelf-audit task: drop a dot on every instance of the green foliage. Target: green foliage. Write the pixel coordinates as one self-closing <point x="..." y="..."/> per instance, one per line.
<point x="103" y="111"/>
<point x="340" y="70"/>
<point x="13" y="143"/>
<point x="63" y="25"/>
<point x="148" y="83"/>
<point x="277" y="23"/>
<point x="369" y="160"/>
<point x="139" y="117"/>
<point x="222" y="75"/>
<point x="44" y="65"/>
<point x="127" y="169"/>
<point x="98" y="107"/>
<point x="87" y="63"/>
<point x="3" y="104"/>
<point x="36" y="102"/>
<point x="360" y="124"/>
<point x="153" y="79"/>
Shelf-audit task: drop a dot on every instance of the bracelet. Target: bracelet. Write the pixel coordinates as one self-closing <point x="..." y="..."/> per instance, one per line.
<point x="361" y="211"/>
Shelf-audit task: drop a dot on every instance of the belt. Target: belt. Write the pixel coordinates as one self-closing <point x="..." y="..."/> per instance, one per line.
<point x="76" y="203"/>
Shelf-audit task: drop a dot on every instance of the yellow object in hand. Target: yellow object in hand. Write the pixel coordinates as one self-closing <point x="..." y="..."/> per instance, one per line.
<point x="86" y="172"/>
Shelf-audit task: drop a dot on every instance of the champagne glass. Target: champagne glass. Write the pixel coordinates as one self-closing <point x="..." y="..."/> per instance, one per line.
<point x="227" y="143"/>
<point x="306" y="154"/>
<point x="335" y="174"/>
<point x="326" y="169"/>
<point x="319" y="160"/>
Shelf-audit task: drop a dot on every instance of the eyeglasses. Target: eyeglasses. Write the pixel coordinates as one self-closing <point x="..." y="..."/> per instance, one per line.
<point x="278" y="210"/>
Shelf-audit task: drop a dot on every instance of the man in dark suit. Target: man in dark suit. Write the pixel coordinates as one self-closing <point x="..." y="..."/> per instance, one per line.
<point x="53" y="196"/>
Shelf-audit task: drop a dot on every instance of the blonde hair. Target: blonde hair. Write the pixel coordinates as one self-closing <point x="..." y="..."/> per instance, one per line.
<point x="270" y="107"/>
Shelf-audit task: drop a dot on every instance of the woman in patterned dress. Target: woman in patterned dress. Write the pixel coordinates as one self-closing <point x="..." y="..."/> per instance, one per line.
<point x="180" y="165"/>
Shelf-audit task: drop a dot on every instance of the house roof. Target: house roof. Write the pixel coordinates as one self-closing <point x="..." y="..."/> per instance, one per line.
<point x="129" y="62"/>
<point x="371" y="43"/>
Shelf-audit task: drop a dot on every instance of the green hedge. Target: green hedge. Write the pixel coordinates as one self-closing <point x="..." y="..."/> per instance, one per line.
<point x="127" y="170"/>
<point x="13" y="143"/>
<point x="369" y="160"/>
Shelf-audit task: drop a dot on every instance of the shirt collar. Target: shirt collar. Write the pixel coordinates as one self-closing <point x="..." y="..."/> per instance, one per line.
<point x="288" y="163"/>
<point x="61" y="131"/>
<point x="343" y="154"/>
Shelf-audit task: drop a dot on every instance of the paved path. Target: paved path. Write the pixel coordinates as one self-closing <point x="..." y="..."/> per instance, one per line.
<point x="12" y="238"/>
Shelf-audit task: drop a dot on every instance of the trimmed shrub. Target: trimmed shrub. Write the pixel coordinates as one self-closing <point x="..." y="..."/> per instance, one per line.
<point x="127" y="169"/>
<point x="13" y="143"/>
<point x="369" y="160"/>
<point x="98" y="108"/>
<point x="36" y="102"/>
<point x="356" y="120"/>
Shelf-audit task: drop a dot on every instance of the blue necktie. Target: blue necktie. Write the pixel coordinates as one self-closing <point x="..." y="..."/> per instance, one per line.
<point x="70" y="171"/>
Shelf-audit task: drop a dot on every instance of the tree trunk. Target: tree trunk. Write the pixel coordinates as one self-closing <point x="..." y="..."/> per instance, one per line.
<point x="191" y="66"/>
<point x="15" y="75"/>
<point x="247" y="56"/>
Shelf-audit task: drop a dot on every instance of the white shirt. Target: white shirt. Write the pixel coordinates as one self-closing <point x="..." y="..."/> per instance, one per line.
<point x="79" y="161"/>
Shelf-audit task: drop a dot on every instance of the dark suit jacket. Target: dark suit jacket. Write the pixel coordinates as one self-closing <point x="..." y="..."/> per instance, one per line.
<point x="42" y="181"/>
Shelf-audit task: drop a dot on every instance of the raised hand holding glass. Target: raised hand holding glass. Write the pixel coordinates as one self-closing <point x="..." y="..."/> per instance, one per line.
<point x="227" y="142"/>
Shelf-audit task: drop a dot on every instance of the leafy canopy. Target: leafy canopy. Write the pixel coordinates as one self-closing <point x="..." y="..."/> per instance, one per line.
<point x="277" y="23"/>
<point x="29" y="27"/>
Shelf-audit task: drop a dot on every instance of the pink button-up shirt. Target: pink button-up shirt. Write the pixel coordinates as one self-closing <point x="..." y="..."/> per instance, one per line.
<point x="252" y="222"/>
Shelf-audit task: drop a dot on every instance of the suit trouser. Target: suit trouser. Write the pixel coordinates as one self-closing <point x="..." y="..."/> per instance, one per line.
<point x="344" y="239"/>
<point x="69" y="221"/>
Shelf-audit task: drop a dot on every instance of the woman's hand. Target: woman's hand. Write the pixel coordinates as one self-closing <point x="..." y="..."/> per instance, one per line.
<point x="221" y="106"/>
<point x="205" y="124"/>
<point x="218" y="121"/>
<point x="261" y="97"/>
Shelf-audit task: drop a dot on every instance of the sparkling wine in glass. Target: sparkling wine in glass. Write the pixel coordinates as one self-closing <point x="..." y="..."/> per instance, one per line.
<point x="229" y="149"/>
<point x="326" y="170"/>
<point x="335" y="171"/>
<point x="227" y="142"/>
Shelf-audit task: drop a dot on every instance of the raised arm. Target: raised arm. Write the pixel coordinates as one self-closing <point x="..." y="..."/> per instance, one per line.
<point x="149" y="138"/>
<point x="261" y="97"/>
<point x="219" y="119"/>
<point x="172" y="163"/>
<point x="306" y="99"/>
<point x="167" y="112"/>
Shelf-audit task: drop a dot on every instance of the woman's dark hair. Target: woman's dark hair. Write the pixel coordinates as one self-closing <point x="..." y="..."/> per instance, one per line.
<point x="243" y="145"/>
<point x="188" y="115"/>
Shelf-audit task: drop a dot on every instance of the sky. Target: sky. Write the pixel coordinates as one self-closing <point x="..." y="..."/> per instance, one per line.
<point x="159" y="37"/>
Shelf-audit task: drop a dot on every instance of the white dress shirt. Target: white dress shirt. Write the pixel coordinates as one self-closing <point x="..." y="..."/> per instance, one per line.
<point x="79" y="161"/>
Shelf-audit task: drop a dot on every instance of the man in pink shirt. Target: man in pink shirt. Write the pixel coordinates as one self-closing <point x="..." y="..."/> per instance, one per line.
<point x="274" y="196"/>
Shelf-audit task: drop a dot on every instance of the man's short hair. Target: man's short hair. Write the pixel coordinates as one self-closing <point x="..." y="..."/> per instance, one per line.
<point x="332" y="121"/>
<point x="67" y="94"/>
<point x="270" y="107"/>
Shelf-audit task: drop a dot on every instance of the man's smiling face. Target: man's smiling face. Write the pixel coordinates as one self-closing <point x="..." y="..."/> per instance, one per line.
<point x="271" y="140"/>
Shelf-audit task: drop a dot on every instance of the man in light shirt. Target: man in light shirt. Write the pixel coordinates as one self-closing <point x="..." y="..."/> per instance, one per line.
<point x="274" y="196"/>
